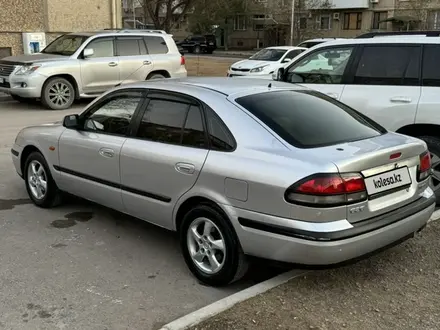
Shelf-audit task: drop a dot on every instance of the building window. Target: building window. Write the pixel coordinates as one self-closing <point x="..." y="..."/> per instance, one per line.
<point x="377" y="18"/>
<point x="259" y="22"/>
<point x="324" y="22"/>
<point x="352" y="21"/>
<point x="303" y="23"/>
<point x="240" y="23"/>
<point x="434" y="20"/>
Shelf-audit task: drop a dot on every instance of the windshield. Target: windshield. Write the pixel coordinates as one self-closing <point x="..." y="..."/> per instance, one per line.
<point x="268" y="54"/>
<point x="66" y="45"/>
<point x="309" y="119"/>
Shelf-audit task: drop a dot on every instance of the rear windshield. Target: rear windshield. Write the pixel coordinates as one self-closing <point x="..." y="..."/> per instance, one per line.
<point x="308" y="119"/>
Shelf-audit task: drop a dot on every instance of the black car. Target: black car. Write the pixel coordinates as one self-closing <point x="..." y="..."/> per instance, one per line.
<point x="199" y="44"/>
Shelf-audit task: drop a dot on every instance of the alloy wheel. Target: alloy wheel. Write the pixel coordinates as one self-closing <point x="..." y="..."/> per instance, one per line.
<point x="206" y="245"/>
<point x="37" y="180"/>
<point x="59" y="94"/>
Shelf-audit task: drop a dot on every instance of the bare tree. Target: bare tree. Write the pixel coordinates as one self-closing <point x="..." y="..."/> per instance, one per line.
<point x="414" y="14"/>
<point x="307" y="13"/>
<point x="165" y="14"/>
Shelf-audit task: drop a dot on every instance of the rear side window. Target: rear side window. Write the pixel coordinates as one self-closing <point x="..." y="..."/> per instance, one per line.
<point x="431" y="67"/>
<point x="389" y="65"/>
<point x="156" y="45"/>
<point x="308" y="119"/>
<point x="128" y="46"/>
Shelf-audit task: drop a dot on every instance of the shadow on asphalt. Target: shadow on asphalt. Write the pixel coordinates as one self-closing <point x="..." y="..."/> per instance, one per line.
<point x="128" y="227"/>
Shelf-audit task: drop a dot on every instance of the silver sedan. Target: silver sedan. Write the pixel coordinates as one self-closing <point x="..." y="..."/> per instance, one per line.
<point x="240" y="167"/>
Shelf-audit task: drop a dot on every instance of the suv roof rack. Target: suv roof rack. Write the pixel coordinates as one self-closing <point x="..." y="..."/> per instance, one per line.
<point x="135" y="31"/>
<point x="431" y="33"/>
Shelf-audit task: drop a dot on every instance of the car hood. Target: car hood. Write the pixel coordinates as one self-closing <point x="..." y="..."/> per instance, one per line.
<point x="34" y="58"/>
<point x="251" y="64"/>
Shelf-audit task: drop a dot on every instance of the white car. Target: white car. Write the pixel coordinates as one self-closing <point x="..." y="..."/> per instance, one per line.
<point x="313" y="42"/>
<point x="265" y="62"/>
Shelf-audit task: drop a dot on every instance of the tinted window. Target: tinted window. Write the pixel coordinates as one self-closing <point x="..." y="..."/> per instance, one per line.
<point x="193" y="134"/>
<point x="156" y="45"/>
<point x="102" y="47"/>
<point x="114" y="116"/>
<point x="268" y="54"/>
<point x="309" y="119"/>
<point x="431" y="67"/>
<point x="219" y="136"/>
<point x="163" y="121"/>
<point x="389" y="65"/>
<point x="128" y="47"/>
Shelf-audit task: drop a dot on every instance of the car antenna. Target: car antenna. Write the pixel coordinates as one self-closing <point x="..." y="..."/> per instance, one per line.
<point x="122" y="81"/>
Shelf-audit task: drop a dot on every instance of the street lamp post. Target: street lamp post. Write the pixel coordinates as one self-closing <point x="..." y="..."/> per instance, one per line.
<point x="292" y="22"/>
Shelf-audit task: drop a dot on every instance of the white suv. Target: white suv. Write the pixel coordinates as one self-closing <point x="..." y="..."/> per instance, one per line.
<point x="395" y="80"/>
<point x="78" y="65"/>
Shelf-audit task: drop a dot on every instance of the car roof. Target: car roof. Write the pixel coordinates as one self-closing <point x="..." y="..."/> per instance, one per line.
<point x="223" y="85"/>
<point x="382" y="40"/>
<point x="321" y="40"/>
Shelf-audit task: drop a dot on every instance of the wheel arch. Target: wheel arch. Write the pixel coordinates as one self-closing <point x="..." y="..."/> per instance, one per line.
<point x="69" y="78"/>
<point x="164" y="73"/>
<point x="25" y="154"/>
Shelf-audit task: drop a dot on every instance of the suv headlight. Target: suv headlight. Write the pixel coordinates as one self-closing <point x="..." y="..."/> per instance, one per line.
<point x="259" y="69"/>
<point x="27" y="69"/>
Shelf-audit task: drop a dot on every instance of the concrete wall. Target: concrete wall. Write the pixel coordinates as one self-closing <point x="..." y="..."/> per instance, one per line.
<point x="54" y="17"/>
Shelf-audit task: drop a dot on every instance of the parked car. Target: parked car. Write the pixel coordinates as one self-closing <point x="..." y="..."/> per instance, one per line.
<point x="237" y="167"/>
<point x="264" y="62"/>
<point x="394" y="80"/>
<point x="83" y="65"/>
<point x="313" y="42"/>
<point x="199" y="44"/>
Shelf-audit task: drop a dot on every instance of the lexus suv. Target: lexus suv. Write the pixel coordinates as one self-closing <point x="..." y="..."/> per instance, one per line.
<point x="392" y="77"/>
<point x="83" y="65"/>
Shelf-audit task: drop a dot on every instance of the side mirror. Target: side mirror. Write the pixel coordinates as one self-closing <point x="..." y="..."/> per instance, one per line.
<point x="88" y="52"/>
<point x="286" y="60"/>
<point x="71" y="121"/>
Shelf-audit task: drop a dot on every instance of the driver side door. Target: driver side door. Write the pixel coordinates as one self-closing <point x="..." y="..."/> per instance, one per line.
<point x="324" y="70"/>
<point x="89" y="155"/>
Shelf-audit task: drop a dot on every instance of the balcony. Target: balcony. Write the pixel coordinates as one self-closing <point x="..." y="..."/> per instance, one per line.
<point x="337" y="4"/>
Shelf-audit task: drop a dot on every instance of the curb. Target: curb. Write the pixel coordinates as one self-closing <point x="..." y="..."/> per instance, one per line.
<point x="226" y="303"/>
<point x="5" y="97"/>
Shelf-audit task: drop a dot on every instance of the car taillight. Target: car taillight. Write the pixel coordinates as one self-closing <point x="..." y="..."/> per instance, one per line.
<point x="424" y="169"/>
<point x="327" y="190"/>
<point x="182" y="60"/>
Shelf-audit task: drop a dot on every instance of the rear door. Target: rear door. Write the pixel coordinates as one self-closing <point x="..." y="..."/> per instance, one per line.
<point x="134" y="62"/>
<point x="385" y="84"/>
<point x="324" y="69"/>
<point x="164" y="158"/>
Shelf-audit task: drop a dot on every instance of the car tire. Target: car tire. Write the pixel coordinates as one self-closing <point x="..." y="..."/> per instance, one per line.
<point x="197" y="50"/>
<point x="152" y="76"/>
<point x="210" y="51"/>
<point x="214" y="256"/>
<point x="57" y="94"/>
<point x="36" y="171"/>
<point x="433" y="144"/>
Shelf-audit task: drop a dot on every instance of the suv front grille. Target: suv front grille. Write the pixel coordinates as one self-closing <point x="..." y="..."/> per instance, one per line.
<point x="6" y="69"/>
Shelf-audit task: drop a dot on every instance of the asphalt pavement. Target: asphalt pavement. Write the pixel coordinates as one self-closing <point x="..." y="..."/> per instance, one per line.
<point x="82" y="266"/>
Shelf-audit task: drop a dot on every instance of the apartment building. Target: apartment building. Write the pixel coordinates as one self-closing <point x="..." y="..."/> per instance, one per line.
<point x="26" y="24"/>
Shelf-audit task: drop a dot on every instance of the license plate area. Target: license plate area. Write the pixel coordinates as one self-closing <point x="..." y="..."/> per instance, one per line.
<point x="387" y="182"/>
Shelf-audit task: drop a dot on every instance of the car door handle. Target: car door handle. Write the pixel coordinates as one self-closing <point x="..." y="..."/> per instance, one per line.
<point x="113" y="64"/>
<point x="334" y="95"/>
<point x="106" y="152"/>
<point x="400" y="99"/>
<point x="185" y="168"/>
<point x="147" y="62"/>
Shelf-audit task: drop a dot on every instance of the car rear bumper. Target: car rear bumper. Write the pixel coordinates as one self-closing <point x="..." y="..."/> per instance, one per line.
<point x="308" y="243"/>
